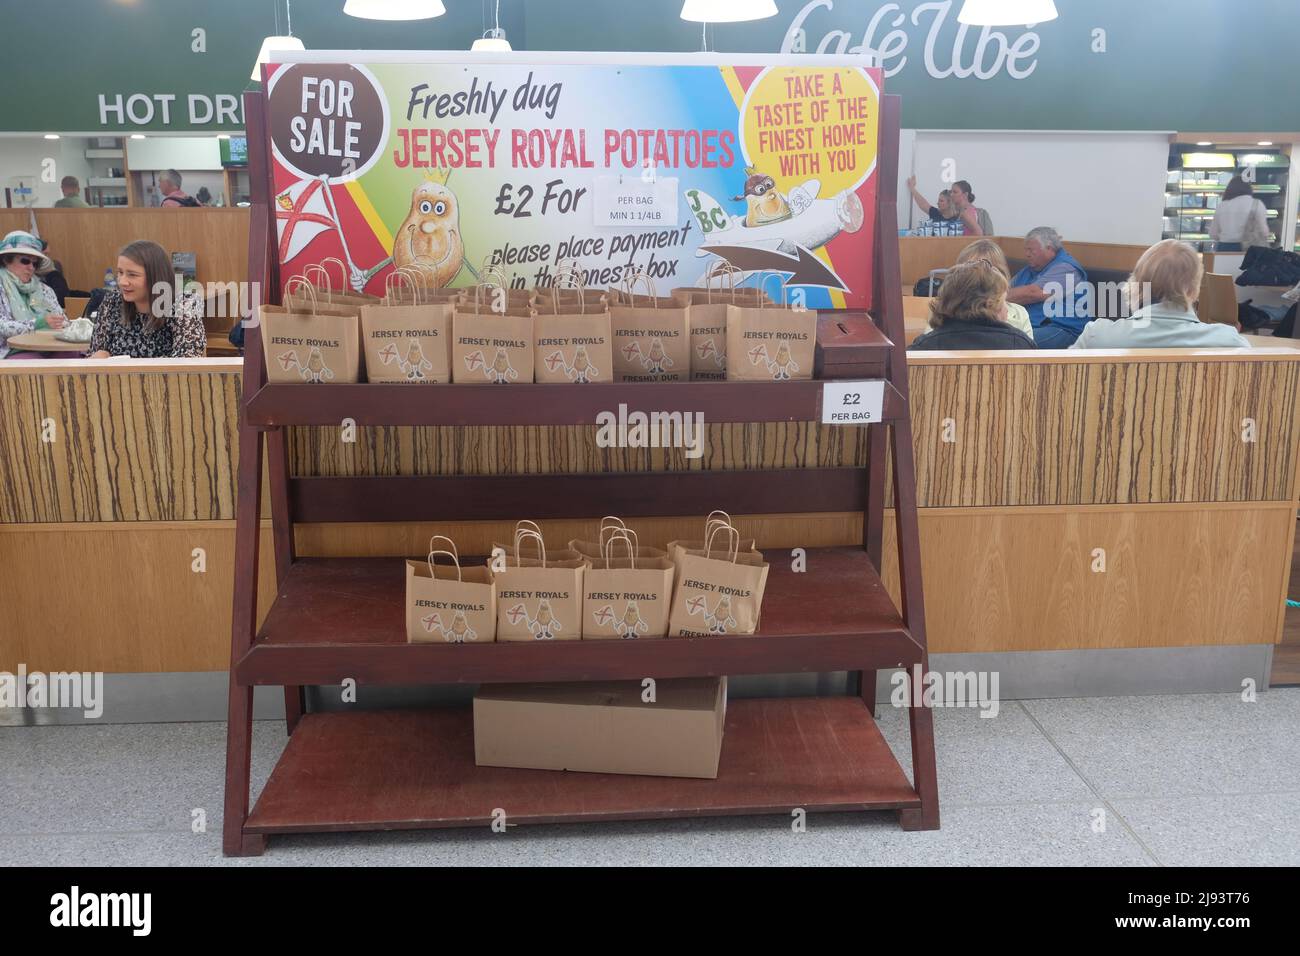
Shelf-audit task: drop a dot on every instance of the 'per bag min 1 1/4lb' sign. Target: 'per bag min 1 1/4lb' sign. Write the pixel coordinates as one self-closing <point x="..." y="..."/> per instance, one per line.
<point x="769" y="163"/>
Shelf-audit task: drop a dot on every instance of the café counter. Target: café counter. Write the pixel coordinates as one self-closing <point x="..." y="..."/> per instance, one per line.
<point x="1091" y="522"/>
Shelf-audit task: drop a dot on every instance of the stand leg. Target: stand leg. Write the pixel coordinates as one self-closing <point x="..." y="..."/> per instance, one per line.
<point x="277" y="466"/>
<point x="920" y="717"/>
<point x="863" y="683"/>
<point x="243" y="630"/>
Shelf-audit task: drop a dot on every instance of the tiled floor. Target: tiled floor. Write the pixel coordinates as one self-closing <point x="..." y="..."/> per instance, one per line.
<point x="1130" y="781"/>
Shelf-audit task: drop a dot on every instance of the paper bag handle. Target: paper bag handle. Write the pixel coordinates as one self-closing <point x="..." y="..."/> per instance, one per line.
<point x="523" y="534"/>
<point x="343" y="272"/>
<point x="609" y="534"/>
<point x="622" y="535"/>
<point x="720" y="268"/>
<point x="642" y="277"/>
<point x="708" y="522"/>
<point x="303" y="283"/>
<point x="455" y="560"/>
<point x="443" y="537"/>
<point x="419" y="291"/>
<point x="574" y="280"/>
<point x="388" y="285"/>
<point x="733" y="547"/>
<point x="318" y="270"/>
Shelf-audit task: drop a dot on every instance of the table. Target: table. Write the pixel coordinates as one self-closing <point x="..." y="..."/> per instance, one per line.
<point x="43" y="340"/>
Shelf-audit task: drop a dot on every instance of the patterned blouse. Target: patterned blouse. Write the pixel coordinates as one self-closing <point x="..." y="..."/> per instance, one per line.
<point x="181" y="336"/>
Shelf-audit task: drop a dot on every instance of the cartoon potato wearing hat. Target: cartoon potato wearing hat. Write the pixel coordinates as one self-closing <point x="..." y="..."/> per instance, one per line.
<point x="765" y="204"/>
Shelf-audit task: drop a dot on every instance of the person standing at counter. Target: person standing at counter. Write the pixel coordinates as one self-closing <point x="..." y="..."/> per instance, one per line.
<point x="169" y="184"/>
<point x="26" y="303"/>
<point x="1240" y="219"/>
<point x="144" y="317"/>
<point x="1053" y="288"/>
<point x="71" y="195"/>
<point x="976" y="221"/>
<point x="942" y="217"/>
<point x="1165" y="283"/>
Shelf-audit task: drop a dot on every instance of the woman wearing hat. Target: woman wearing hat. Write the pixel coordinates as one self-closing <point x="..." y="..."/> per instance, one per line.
<point x="26" y="303"/>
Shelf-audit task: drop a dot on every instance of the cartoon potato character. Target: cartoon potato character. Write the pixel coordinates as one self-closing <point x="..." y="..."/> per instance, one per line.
<point x="784" y="364"/>
<point x="764" y="204"/>
<point x="581" y="370"/>
<point x="545" y="626"/>
<point x="429" y="239"/>
<point x="721" y="618"/>
<point x="501" y="369"/>
<point x="657" y="360"/>
<point x="460" y="631"/>
<point x="415" y="363"/>
<point x="316" y="370"/>
<point x="631" y="625"/>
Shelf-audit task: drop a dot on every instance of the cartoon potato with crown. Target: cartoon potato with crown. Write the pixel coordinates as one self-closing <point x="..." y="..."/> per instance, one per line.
<point x="429" y="238"/>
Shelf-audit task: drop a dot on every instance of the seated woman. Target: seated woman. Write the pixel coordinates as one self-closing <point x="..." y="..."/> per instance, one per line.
<point x="26" y="303"/>
<point x="144" y="317"/>
<point x="1165" y="283"/>
<point x="970" y="312"/>
<point x="991" y="252"/>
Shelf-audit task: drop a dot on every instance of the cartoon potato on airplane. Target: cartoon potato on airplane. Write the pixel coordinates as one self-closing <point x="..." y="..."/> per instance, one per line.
<point x="765" y="204"/>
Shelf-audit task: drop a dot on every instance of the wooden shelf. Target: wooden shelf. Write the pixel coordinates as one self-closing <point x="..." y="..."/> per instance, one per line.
<point x="338" y="618"/>
<point x="537" y="404"/>
<point x="405" y="769"/>
<point x="345" y="617"/>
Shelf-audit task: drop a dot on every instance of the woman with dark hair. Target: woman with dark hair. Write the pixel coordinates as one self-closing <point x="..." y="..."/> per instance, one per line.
<point x="976" y="221"/>
<point x="147" y="315"/>
<point x="1240" y="220"/>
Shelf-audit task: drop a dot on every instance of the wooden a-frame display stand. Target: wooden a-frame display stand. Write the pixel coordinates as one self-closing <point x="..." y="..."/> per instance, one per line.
<point x="338" y="618"/>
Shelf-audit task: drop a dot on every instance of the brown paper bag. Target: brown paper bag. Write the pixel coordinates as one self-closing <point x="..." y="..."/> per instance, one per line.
<point x="770" y="343"/>
<point x="719" y="589"/>
<point x="342" y="297"/>
<point x="528" y="534"/>
<point x="488" y="346"/>
<point x="708" y="317"/>
<point x="408" y="342"/>
<point x="610" y="525"/>
<point x="679" y="547"/>
<point x="449" y="604"/>
<point x="570" y="300"/>
<point x="652" y="338"/>
<point x="625" y="596"/>
<point x="539" y="598"/>
<point x="571" y="342"/>
<point x="304" y="342"/>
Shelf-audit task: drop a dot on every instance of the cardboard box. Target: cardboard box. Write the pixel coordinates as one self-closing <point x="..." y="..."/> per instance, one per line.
<point x="603" y="727"/>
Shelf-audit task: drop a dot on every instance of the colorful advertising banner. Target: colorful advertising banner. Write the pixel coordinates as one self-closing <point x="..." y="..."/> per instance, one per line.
<point x="615" y="168"/>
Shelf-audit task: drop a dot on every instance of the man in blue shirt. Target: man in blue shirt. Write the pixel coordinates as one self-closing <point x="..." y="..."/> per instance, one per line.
<point x="1054" y="289"/>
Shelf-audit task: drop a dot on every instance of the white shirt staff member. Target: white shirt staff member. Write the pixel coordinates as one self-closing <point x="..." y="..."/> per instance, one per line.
<point x="1240" y="220"/>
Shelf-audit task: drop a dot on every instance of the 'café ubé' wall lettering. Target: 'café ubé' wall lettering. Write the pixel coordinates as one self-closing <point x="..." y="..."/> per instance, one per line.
<point x="991" y="53"/>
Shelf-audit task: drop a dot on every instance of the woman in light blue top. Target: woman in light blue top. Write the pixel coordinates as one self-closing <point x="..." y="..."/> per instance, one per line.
<point x="1164" y="284"/>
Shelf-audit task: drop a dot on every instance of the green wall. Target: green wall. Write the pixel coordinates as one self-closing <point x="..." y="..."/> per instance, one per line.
<point x="1188" y="65"/>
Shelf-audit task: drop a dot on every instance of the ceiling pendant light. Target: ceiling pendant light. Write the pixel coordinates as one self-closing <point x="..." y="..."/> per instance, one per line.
<point x="727" y="11"/>
<point x="494" y="40"/>
<point x="274" y="44"/>
<point x="394" y="9"/>
<point x="1006" y="13"/>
